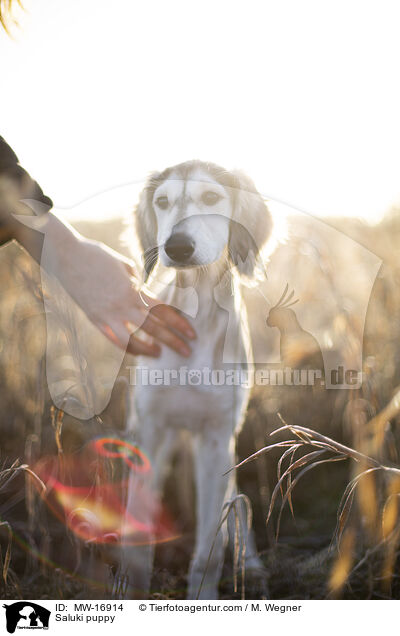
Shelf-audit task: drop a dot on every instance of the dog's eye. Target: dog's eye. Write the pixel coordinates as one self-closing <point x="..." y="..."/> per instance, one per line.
<point x="162" y="202"/>
<point x="210" y="198"/>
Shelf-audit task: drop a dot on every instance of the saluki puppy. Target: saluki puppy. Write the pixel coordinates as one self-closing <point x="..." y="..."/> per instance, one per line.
<point x="207" y="228"/>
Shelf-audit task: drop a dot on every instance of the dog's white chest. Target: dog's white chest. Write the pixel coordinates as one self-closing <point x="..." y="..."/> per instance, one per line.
<point x="193" y="393"/>
<point x="200" y="391"/>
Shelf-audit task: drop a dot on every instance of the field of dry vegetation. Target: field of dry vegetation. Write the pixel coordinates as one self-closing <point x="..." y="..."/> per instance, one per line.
<point x="330" y="493"/>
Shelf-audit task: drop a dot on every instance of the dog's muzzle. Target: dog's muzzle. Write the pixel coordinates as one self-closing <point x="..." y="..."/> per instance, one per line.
<point x="179" y="248"/>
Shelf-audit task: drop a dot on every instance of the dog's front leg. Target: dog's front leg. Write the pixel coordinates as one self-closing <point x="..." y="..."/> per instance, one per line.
<point x="213" y="456"/>
<point x="137" y="557"/>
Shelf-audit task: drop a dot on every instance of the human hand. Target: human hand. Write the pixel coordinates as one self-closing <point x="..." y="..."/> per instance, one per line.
<point x="103" y="283"/>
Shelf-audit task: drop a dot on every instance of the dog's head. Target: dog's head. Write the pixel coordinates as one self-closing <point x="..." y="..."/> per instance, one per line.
<point x="192" y="214"/>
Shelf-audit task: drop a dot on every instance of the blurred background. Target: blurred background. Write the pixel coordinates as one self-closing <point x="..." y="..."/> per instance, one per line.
<point x="304" y="98"/>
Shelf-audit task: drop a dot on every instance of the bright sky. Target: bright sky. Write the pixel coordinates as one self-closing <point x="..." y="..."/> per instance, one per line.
<point x="303" y="96"/>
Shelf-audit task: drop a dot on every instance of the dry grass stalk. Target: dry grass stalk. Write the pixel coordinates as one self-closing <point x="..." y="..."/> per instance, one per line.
<point x="239" y="542"/>
<point x="322" y="449"/>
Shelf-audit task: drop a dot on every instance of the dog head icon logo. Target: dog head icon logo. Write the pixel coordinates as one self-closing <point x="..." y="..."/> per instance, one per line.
<point x="26" y="615"/>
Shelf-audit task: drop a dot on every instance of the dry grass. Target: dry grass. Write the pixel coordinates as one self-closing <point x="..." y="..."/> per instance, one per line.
<point x="330" y="491"/>
<point x="379" y="513"/>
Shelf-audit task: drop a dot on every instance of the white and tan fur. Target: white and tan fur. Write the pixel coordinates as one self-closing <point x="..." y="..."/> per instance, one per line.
<point x="228" y="230"/>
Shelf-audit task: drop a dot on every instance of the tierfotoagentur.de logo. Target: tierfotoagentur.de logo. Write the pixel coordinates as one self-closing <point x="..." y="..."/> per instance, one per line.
<point x="26" y="615"/>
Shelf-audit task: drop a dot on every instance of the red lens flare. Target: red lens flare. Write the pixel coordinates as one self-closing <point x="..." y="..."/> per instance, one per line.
<point x="124" y="449"/>
<point x="81" y="494"/>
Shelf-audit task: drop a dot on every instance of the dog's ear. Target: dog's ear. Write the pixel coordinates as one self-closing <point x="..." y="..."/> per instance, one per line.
<point x="146" y="225"/>
<point x="250" y="229"/>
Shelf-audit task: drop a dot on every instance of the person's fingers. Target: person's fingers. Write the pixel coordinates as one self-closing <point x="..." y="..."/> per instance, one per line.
<point x="120" y="336"/>
<point x="165" y="314"/>
<point x="136" y="347"/>
<point x="172" y="318"/>
<point x="161" y="333"/>
<point x="168" y="315"/>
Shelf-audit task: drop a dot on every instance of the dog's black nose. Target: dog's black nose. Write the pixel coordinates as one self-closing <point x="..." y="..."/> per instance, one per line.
<point x="179" y="247"/>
